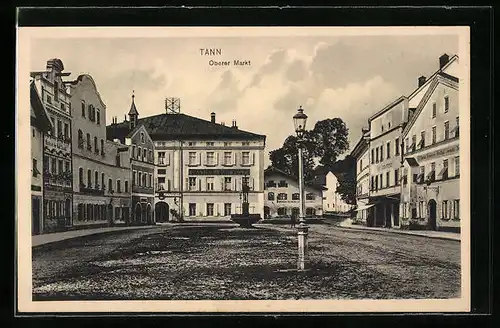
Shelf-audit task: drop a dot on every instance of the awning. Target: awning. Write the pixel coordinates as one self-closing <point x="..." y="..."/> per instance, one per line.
<point x="421" y="143"/>
<point x="364" y="207"/>
<point x="443" y="171"/>
<point x="431" y="174"/>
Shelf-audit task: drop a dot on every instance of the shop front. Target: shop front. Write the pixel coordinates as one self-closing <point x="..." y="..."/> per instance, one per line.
<point x="57" y="206"/>
<point x="383" y="211"/>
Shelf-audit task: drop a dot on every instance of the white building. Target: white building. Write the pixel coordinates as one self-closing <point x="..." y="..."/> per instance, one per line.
<point x="282" y="195"/>
<point x="362" y="155"/>
<point x="431" y="184"/>
<point x="201" y="165"/>
<point x="332" y="200"/>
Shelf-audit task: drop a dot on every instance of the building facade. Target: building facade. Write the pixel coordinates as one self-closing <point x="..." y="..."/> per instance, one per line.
<point x="386" y="127"/>
<point x="200" y="166"/>
<point x="282" y="196"/>
<point x="57" y="150"/>
<point x="40" y="125"/>
<point x="101" y="183"/>
<point x="431" y="186"/>
<point x="362" y="155"/>
<point x="332" y="200"/>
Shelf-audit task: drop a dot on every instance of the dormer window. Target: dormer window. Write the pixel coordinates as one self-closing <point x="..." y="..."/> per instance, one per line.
<point x="142" y="137"/>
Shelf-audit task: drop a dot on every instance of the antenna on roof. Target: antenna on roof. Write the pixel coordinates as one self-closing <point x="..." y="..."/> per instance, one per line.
<point x="173" y="105"/>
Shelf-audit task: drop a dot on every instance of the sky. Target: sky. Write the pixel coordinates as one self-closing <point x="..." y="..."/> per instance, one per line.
<point x="350" y="77"/>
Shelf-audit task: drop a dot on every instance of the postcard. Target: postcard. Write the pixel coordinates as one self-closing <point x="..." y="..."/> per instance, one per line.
<point x="245" y="169"/>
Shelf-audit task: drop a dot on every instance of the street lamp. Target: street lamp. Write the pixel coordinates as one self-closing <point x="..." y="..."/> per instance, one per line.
<point x="299" y="120"/>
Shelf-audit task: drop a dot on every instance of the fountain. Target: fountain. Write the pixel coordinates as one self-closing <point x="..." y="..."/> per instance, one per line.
<point x="245" y="219"/>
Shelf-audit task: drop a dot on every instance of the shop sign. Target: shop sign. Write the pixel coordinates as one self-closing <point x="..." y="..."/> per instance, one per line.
<point x="439" y="153"/>
<point x="52" y="142"/>
<point x="219" y="171"/>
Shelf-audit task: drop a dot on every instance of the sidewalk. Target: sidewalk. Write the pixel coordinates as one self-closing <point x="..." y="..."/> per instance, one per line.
<point x="48" y="238"/>
<point x="424" y="233"/>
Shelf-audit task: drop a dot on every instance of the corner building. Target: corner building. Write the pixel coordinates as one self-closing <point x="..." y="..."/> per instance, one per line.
<point x="201" y="166"/>
<point x="102" y="192"/>
<point x="431" y="186"/>
<point x="57" y="148"/>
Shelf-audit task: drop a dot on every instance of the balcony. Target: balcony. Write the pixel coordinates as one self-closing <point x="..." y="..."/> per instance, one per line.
<point x="57" y="143"/>
<point x="96" y="191"/>
<point x="63" y="179"/>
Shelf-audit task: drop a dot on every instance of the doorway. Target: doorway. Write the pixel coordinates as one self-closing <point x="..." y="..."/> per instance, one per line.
<point x="432" y="214"/>
<point x="161" y="212"/>
<point x="138" y="213"/>
<point x="149" y="214"/>
<point x="35" y="215"/>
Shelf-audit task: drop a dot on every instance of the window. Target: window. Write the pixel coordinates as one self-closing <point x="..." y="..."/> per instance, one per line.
<point x="134" y="178"/>
<point x="446" y="130"/>
<point x="396" y="147"/>
<point x="271" y="183"/>
<point x="133" y="151"/>
<point x="60" y="166"/>
<point x="118" y="186"/>
<point x="59" y="129"/>
<point x="144" y="154"/>
<point x="422" y="139"/>
<point x="282" y="196"/>
<point x="117" y="158"/>
<point x="227" y="209"/>
<point x="144" y="177"/>
<point x="283" y="184"/>
<point x="139" y="179"/>
<point x="270" y="196"/>
<point x="210" y="144"/>
<point x="83" y="108"/>
<point x="388" y="178"/>
<point x="433" y="135"/>
<point x="210" y="158"/>
<point x="53" y="166"/>
<point x="245" y="158"/>
<point x="210" y="209"/>
<point x="142" y="137"/>
<point x="396" y="177"/>
<point x="89" y="179"/>
<point x="102" y="181"/>
<point x="310" y="196"/>
<point x="192" y="209"/>
<point x="381" y="153"/>
<point x="66" y="131"/>
<point x="162" y="171"/>
<point x="376" y="155"/>
<point x="434" y="110"/>
<point x="102" y="147"/>
<point x="161" y="158"/>
<point x="95" y="145"/>
<point x="456" y="209"/>
<point x="98" y="116"/>
<point x="192" y="183"/>
<point x="150" y="155"/>
<point x="281" y="211"/>
<point x="457" y="166"/>
<point x="228" y="158"/>
<point x="49" y="99"/>
<point x="446" y="104"/>
<point x="89" y="111"/>
<point x="89" y="146"/>
<point x="227" y="143"/>
<point x="376" y="182"/>
<point x="150" y="182"/>
<point x="227" y="183"/>
<point x="56" y="91"/>
<point x="192" y="158"/>
<point x="80" y="176"/>
<point x="372" y="184"/>
<point x="444" y="211"/>
<point x="191" y="143"/>
<point x="35" y="169"/>
<point x="66" y="167"/>
<point x="245" y="181"/>
<point x="389" y="149"/>
<point x="457" y="127"/>
<point x="96" y="180"/>
<point x="110" y="185"/>
<point x="210" y="183"/>
<point x="372" y="159"/>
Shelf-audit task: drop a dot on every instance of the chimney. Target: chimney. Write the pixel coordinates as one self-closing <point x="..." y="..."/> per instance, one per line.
<point x="212" y="117"/>
<point x="222" y="123"/>
<point x="421" y="81"/>
<point x="443" y="60"/>
<point x="234" y="125"/>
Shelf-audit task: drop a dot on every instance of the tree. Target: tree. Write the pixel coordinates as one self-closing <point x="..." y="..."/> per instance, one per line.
<point x="324" y="143"/>
<point x="347" y="179"/>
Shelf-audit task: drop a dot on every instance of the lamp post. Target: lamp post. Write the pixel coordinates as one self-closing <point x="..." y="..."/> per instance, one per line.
<point x="299" y="120"/>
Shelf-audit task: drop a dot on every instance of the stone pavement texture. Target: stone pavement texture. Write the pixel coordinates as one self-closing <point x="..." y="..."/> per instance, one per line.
<point x="424" y="233"/>
<point x="48" y="238"/>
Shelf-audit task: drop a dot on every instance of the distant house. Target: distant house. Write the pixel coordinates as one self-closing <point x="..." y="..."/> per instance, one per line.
<point x="332" y="200"/>
<point x="281" y="192"/>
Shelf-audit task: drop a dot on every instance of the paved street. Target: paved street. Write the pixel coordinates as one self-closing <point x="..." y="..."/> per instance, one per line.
<point x="211" y="261"/>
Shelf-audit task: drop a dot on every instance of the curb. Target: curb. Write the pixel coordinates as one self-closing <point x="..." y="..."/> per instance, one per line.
<point x="398" y="232"/>
<point x="89" y="234"/>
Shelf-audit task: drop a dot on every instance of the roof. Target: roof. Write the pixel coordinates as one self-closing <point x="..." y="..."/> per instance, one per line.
<point x="180" y="126"/>
<point x="411" y="161"/>
<point x="361" y="145"/>
<point x="39" y="117"/>
<point x="133" y="109"/>
<point x="386" y="108"/>
<point x="272" y="169"/>
<point x="435" y="81"/>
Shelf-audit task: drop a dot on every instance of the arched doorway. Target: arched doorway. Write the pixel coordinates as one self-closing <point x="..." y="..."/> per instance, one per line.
<point x="138" y="213"/>
<point x="161" y="212"/>
<point x="149" y="214"/>
<point x="432" y="214"/>
<point x="110" y="212"/>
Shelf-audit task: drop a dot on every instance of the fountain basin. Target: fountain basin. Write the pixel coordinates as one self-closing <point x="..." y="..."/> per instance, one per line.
<point x="245" y="221"/>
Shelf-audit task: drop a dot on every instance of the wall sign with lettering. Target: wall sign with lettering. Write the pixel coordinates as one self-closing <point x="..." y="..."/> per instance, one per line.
<point x="439" y="153"/>
<point x="219" y="172"/>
